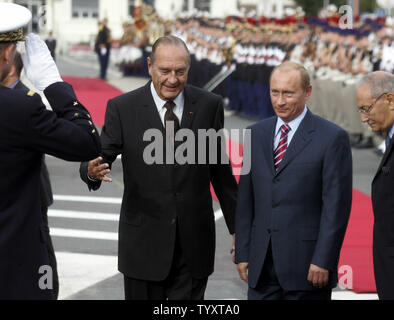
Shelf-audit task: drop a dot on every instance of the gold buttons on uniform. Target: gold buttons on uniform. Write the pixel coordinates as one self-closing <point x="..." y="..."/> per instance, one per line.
<point x="76" y="114"/>
<point x="94" y="131"/>
<point x="75" y="103"/>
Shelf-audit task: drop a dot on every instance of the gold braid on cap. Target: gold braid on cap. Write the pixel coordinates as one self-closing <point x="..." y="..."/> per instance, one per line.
<point x="12" y="36"/>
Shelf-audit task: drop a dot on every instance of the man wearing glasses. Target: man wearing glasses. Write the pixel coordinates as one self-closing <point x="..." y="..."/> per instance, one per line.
<point x="375" y="100"/>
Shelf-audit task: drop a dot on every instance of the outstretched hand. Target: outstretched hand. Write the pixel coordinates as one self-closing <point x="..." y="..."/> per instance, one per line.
<point x="98" y="170"/>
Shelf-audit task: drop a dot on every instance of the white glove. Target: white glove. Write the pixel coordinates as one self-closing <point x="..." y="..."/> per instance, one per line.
<point x="40" y="68"/>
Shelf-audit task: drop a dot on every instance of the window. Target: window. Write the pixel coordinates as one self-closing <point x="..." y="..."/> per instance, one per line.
<point x="203" y="5"/>
<point x="85" y="8"/>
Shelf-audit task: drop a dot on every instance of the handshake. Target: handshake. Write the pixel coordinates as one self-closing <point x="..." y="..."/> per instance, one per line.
<point x="40" y="68"/>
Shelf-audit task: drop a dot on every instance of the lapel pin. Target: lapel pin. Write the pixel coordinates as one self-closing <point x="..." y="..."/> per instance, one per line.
<point x="191" y="113"/>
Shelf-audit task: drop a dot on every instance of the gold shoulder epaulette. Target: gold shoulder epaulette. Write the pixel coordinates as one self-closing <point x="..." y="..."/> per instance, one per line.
<point x="31" y="93"/>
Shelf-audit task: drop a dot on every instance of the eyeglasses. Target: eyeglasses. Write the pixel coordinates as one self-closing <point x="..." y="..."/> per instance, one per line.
<point x="367" y="110"/>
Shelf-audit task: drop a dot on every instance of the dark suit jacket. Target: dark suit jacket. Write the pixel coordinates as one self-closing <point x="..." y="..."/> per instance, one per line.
<point x="159" y="197"/>
<point x="103" y="38"/>
<point x="51" y="44"/>
<point x="27" y="130"/>
<point x="383" y="231"/>
<point x="303" y="208"/>
<point x="46" y="195"/>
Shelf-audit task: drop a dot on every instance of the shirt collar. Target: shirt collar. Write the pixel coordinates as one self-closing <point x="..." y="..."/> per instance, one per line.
<point x="14" y="84"/>
<point x="159" y="102"/>
<point x="292" y="124"/>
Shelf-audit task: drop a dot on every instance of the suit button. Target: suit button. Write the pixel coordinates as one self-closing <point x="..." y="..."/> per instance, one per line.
<point x="276" y="180"/>
<point x="173" y="221"/>
<point x="269" y="231"/>
<point x="274" y="205"/>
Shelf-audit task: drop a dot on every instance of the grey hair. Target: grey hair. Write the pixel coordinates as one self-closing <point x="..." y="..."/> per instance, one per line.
<point x="379" y="82"/>
<point x="169" y="40"/>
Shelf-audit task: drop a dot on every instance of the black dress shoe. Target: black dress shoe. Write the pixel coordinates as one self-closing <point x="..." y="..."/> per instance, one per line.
<point x="365" y="144"/>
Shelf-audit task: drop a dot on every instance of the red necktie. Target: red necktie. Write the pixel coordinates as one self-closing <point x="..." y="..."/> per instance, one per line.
<point x="170" y="115"/>
<point x="282" y="146"/>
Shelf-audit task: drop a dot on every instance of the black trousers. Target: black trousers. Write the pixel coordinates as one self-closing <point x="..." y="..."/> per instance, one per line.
<point x="51" y="253"/>
<point x="268" y="287"/>
<point x="179" y="284"/>
<point x="103" y="61"/>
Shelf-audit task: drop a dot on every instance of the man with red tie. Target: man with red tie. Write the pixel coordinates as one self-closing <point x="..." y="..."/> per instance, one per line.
<point x="294" y="203"/>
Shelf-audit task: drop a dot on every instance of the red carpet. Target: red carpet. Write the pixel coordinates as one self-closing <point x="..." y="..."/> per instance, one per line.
<point x="357" y="247"/>
<point x="94" y="94"/>
<point x="355" y="270"/>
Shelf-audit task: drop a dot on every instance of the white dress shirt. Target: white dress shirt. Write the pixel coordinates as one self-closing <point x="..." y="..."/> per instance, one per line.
<point x="178" y="108"/>
<point x="294" y="124"/>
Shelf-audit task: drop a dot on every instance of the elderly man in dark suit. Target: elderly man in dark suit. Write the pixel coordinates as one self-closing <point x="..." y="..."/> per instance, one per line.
<point x="27" y="131"/>
<point x="375" y="100"/>
<point x="13" y="81"/>
<point x="294" y="203"/>
<point x="167" y="225"/>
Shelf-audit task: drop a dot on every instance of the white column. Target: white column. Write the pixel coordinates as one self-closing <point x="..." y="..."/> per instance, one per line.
<point x="169" y="9"/>
<point x="190" y="5"/>
<point x="219" y="10"/>
<point x="279" y="9"/>
<point x="49" y="15"/>
<point x="116" y="15"/>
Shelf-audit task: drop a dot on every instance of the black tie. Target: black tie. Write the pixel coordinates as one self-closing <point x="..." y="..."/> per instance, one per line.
<point x="170" y="115"/>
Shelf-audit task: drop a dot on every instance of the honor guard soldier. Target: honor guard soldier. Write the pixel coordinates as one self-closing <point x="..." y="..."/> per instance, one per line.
<point x="27" y="131"/>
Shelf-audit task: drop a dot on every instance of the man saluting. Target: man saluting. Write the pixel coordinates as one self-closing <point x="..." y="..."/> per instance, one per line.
<point x="27" y="131"/>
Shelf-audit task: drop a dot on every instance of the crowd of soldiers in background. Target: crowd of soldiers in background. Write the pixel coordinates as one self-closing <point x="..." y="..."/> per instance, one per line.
<point x="340" y="56"/>
<point x="315" y="43"/>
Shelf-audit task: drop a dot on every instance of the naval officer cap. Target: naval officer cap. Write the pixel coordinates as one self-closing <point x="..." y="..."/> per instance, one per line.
<point x="13" y="18"/>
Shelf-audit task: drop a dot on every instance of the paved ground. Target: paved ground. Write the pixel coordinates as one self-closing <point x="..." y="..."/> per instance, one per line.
<point x="84" y="224"/>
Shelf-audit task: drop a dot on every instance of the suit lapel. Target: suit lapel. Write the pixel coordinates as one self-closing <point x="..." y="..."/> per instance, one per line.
<point x="384" y="159"/>
<point x="149" y="110"/>
<point x="300" y="140"/>
<point x="189" y="109"/>
<point x="150" y="113"/>
<point x="267" y="145"/>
